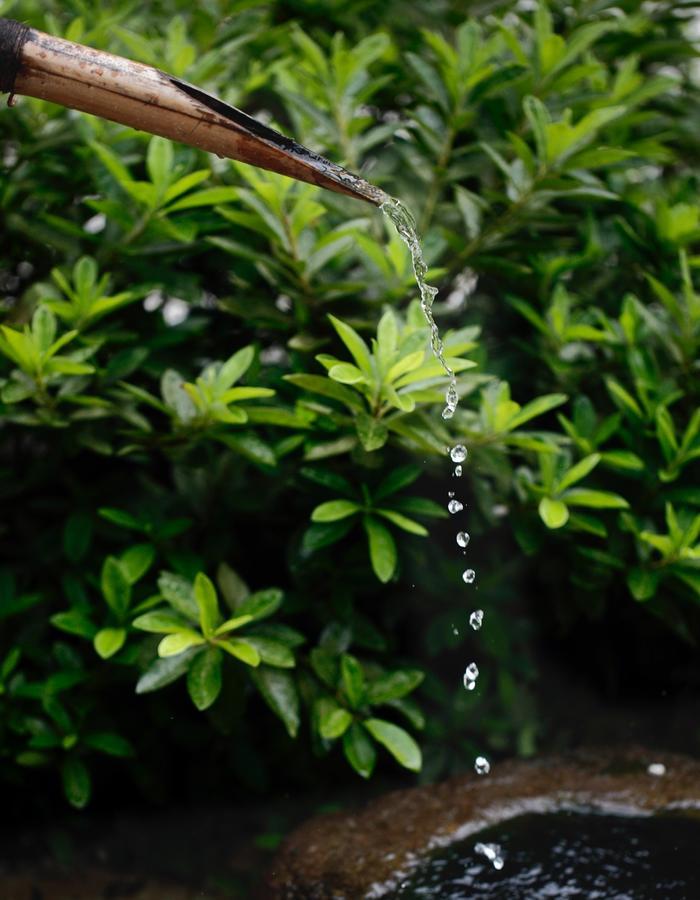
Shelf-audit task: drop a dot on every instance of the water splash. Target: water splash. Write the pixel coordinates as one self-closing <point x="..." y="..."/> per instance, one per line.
<point x="492" y="852"/>
<point x="405" y="226"/>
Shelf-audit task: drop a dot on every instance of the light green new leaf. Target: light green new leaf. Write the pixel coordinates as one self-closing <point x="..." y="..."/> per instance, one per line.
<point x="553" y="513"/>
<point x="333" y="510"/>
<point x="109" y="641"/>
<point x="242" y="650"/>
<point x="173" y="644"/>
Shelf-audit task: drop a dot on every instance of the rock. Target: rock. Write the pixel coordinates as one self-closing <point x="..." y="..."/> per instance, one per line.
<point x="348" y="856"/>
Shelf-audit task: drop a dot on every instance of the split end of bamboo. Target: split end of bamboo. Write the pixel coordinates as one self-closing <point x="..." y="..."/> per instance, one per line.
<point x="38" y="65"/>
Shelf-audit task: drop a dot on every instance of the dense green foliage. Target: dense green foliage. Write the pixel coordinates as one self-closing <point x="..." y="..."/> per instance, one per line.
<point x="215" y="380"/>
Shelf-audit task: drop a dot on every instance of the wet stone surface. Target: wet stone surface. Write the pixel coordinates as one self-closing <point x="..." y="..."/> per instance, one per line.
<point x="367" y="854"/>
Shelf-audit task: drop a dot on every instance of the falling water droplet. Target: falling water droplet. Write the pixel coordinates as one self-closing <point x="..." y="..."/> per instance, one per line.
<point x="458" y="453"/>
<point x="469" y="576"/>
<point x="471" y="673"/>
<point x="482" y="766"/>
<point x="458" y="471"/>
<point x="455" y="630"/>
<point x="450" y="493"/>
<point x="462" y="539"/>
<point x="498" y="863"/>
<point x="454" y="506"/>
<point x="657" y="769"/>
<point x="476" y="619"/>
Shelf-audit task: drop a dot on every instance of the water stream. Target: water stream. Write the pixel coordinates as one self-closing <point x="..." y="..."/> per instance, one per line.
<point x="405" y="225"/>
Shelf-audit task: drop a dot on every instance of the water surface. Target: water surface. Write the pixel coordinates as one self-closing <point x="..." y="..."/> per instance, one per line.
<point x="560" y="855"/>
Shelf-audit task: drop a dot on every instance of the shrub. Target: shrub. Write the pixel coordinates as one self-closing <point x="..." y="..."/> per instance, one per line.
<point x="213" y="377"/>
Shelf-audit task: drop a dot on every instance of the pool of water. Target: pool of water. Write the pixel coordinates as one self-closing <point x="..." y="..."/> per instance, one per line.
<point x="569" y="854"/>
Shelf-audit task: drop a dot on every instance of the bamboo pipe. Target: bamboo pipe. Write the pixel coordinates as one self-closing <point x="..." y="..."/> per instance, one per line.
<point x="38" y="65"/>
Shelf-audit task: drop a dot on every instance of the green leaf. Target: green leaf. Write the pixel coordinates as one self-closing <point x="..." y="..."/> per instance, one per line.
<point x="179" y="593"/>
<point x="333" y="510"/>
<point x="373" y="433"/>
<point x="595" y="499"/>
<point x="579" y="471"/>
<point x="163" y="672"/>
<point x="161" y="621"/>
<point x="207" y="603"/>
<point x="359" y="751"/>
<point x="74" y="622"/>
<point x="173" y="644"/>
<point x="137" y="560"/>
<point x="271" y="652"/>
<point x="233" y="624"/>
<point x="355" y="344"/>
<point x="204" y="678"/>
<point x="393" y="685"/>
<point x="346" y="374"/>
<point x="397" y="741"/>
<point x="553" y="513"/>
<point x="76" y="782"/>
<point x="159" y="162"/>
<point x="643" y="583"/>
<point x="242" y="650"/>
<point x="333" y="720"/>
<point x="262" y="604"/>
<point x="110" y="743"/>
<point x="279" y="691"/>
<point x="382" y="549"/>
<point x="116" y="587"/>
<point x="234" y="368"/>
<point x="402" y="522"/>
<point x="353" y="678"/>
<point x="109" y="641"/>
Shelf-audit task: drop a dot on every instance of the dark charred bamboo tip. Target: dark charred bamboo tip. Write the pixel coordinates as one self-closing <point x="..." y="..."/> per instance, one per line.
<point x="13" y="37"/>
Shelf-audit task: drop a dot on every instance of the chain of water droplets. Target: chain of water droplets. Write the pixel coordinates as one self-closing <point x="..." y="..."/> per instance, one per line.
<point x="406" y="227"/>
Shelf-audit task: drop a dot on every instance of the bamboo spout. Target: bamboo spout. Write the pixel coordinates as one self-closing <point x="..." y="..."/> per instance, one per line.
<point x="38" y="65"/>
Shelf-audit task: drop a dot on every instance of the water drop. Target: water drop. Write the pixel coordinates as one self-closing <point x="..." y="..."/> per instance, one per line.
<point x="498" y="863"/>
<point x="657" y="769"/>
<point x="476" y="619"/>
<point x="450" y="493"/>
<point x="469" y="576"/>
<point x="458" y="453"/>
<point x="471" y="673"/>
<point x="458" y="472"/>
<point x="462" y="539"/>
<point x="447" y="412"/>
<point x="482" y="766"/>
<point x="454" y="506"/>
